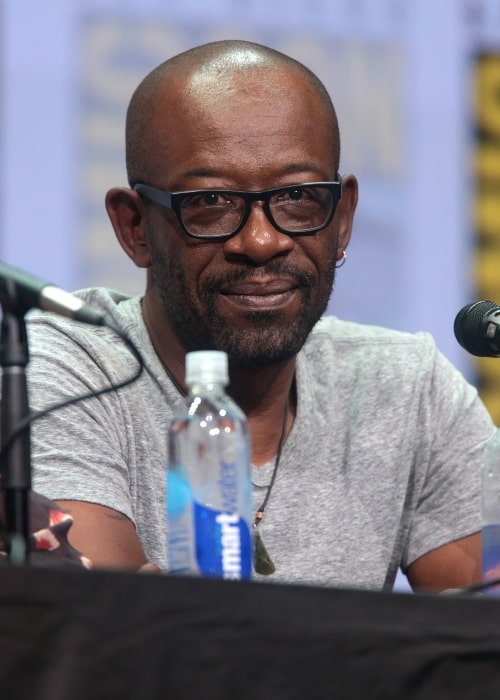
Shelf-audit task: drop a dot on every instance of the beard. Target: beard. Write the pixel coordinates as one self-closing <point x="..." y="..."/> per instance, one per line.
<point x="267" y="337"/>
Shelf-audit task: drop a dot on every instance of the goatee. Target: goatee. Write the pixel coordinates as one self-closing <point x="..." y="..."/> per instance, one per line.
<point x="268" y="337"/>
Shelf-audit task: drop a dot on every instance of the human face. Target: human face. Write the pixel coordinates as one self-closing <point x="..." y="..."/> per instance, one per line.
<point x="258" y="294"/>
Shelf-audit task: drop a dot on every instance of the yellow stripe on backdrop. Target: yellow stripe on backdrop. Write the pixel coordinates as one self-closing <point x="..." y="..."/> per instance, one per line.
<point x="487" y="209"/>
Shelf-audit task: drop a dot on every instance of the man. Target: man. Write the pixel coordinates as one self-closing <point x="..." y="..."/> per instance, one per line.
<point x="379" y="439"/>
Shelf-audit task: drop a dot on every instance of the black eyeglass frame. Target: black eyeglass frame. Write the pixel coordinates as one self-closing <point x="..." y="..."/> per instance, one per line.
<point x="173" y="200"/>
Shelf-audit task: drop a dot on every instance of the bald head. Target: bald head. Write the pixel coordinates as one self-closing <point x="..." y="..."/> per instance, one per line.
<point x="210" y="67"/>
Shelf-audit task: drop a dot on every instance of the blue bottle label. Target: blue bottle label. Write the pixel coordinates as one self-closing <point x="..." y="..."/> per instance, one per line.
<point x="179" y="494"/>
<point x="223" y="544"/>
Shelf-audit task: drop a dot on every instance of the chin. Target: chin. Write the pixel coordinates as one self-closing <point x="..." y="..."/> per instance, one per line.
<point x="257" y="339"/>
<point x="263" y="346"/>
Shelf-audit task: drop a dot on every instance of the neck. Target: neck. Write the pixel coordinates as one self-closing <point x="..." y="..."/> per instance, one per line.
<point x="169" y="350"/>
<point x="262" y="394"/>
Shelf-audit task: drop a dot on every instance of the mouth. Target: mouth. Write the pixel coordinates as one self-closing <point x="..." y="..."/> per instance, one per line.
<point x="271" y="294"/>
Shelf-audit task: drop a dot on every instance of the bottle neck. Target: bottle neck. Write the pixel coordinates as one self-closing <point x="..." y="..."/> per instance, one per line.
<point x="197" y="388"/>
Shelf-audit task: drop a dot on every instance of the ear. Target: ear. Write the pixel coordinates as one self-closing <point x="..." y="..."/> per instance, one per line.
<point x="345" y="212"/>
<point x="126" y="212"/>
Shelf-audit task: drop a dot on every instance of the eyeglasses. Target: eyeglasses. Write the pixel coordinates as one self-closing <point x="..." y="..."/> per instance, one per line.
<point x="218" y="214"/>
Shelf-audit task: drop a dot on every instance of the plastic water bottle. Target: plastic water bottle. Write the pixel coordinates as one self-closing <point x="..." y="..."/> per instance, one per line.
<point x="491" y="513"/>
<point x="209" y="496"/>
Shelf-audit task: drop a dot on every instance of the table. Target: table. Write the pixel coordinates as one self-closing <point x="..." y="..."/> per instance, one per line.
<point x="72" y="634"/>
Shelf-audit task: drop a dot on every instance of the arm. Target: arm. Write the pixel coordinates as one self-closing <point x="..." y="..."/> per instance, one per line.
<point x="444" y="546"/>
<point x="84" y="453"/>
<point x="104" y="535"/>
<point x="454" y="565"/>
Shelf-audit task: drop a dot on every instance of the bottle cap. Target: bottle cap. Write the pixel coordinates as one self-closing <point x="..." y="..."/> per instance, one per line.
<point x="206" y="367"/>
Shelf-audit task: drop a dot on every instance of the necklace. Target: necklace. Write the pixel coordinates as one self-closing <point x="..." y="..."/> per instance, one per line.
<point x="262" y="562"/>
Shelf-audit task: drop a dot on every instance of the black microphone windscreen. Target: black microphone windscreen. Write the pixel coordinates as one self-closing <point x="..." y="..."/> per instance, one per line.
<point x="469" y="330"/>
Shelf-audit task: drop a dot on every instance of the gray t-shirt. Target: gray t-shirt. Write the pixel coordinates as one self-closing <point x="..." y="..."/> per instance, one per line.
<point x="381" y="466"/>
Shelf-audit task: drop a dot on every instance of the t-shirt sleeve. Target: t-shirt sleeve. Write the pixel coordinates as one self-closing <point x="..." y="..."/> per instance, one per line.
<point x="455" y="428"/>
<point x="79" y="452"/>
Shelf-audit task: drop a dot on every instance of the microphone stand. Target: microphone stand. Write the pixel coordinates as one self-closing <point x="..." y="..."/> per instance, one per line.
<point x="15" y="461"/>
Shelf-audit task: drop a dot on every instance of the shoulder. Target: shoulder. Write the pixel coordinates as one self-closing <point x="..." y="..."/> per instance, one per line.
<point x="345" y="339"/>
<point x="381" y="360"/>
<point x="49" y="332"/>
<point x="63" y="350"/>
<point x="117" y="307"/>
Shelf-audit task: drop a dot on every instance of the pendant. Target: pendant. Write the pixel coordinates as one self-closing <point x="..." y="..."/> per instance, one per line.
<point x="262" y="562"/>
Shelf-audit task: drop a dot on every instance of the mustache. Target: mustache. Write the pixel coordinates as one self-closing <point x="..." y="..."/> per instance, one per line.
<point x="302" y="278"/>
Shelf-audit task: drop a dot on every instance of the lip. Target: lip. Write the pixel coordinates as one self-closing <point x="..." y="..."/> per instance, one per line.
<point x="270" y="294"/>
<point x="259" y="288"/>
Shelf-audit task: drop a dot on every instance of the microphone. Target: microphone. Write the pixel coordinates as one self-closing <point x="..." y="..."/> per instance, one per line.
<point x="21" y="291"/>
<point x="477" y="328"/>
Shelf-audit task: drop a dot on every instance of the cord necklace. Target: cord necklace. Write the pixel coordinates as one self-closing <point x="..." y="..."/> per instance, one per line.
<point x="263" y="564"/>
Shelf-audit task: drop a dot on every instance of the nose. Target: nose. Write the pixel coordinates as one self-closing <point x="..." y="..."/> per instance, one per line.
<point x="258" y="240"/>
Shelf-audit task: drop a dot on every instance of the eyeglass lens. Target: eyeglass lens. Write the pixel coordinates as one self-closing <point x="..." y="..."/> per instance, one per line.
<point x="293" y="209"/>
